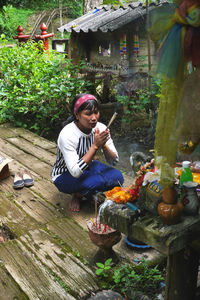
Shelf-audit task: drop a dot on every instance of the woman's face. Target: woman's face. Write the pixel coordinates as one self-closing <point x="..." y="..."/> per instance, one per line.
<point x="87" y="119"/>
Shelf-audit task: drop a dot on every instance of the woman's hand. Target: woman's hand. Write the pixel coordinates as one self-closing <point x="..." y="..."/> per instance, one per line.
<point x="101" y="138"/>
<point x="99" y="141"/>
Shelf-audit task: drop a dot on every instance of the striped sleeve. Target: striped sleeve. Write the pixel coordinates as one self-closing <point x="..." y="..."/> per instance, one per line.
<point x="73" y="145"/>
<point x="82" y="165"/>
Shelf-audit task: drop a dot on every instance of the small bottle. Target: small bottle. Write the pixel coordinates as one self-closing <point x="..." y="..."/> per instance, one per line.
<point x="186" y="174"/>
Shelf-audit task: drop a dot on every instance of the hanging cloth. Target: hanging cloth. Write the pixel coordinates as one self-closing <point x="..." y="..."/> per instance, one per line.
<point x="124" y="44"/>
<point x="176" y="32"/>
<point x="136" y="44"/>
<point x="121" y="46"/>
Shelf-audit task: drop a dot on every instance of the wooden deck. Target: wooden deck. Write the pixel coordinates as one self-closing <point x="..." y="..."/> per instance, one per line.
<point x="51" y="255"/>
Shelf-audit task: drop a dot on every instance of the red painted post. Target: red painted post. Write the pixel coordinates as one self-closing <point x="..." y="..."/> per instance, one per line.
<point x="21" y="37"/>
<point x="44" y="36"/>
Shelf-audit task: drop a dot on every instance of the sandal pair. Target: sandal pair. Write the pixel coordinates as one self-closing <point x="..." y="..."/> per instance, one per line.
<point x="21" y="180"/>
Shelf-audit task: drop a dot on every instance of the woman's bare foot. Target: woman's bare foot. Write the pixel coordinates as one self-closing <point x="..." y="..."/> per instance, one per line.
<point x="74" y="204"/>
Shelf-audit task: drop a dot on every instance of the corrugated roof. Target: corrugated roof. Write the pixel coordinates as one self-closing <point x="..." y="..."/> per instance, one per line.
<point x="108" y="18"/>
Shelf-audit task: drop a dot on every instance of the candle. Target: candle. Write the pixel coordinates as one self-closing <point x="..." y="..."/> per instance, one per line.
<point x="92" y="221"/>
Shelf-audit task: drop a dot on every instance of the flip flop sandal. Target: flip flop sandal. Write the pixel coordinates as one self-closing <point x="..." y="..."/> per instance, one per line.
<point x="18" y="181"/>
<point x="28" y="180"/>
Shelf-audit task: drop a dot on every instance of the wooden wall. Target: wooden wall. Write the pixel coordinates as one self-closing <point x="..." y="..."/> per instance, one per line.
<point x="135" y="64"/>
<point x="86" y="46"/>
<point x="140" y="64"/>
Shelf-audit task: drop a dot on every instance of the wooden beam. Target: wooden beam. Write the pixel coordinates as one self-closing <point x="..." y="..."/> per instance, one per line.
<point x="182" y="271"/>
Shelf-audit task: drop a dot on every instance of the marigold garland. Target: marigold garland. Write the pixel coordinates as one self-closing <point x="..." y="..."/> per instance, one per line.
<point x="121" y="195"/>
<point x="131" y="193"/>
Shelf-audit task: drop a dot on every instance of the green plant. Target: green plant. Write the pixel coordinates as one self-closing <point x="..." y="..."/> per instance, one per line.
<point x="77" y="254"/>
<point x="11" y="18"/>
<point x="104" y="272"/>
<point x="75" y="6"/>
<point x="36" y="89"/>
<point x="127" y="277"/>
<point x="144" y="100"/>
<point x="103" y="268"/>
<point x="139" y="277"/>
<point x="16" y="12"/>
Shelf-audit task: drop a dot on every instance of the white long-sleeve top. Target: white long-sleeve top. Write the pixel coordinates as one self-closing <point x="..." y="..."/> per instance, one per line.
<point x="72" y="146"/>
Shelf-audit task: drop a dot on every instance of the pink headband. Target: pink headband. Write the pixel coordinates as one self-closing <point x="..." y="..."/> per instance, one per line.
<point x="81" y="100"/>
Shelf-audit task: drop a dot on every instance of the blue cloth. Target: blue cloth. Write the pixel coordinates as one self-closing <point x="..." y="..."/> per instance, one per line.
<point x="170" y="53"/>
<point x="98" y="177"/>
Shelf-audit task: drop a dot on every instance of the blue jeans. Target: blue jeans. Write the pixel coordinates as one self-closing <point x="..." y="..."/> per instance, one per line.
<point x="98" y="177"/>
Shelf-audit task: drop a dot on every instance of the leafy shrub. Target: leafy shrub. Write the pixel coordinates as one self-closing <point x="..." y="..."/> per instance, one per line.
<point x="143" y="100"/>
<point x="141" y="277"/>
<point x="11" y="18"/>
<point x="16" y="12"/>
<point x="126" y="278"/>
<point x="36" y="88"/>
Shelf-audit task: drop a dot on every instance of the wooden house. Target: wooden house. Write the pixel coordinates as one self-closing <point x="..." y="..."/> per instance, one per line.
<point x="113" y="40"/>
<point x="112" y="37"/>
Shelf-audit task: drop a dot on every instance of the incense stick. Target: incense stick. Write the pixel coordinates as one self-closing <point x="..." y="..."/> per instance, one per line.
<point x="119" y="184"/>
<point x="96" y="211"/>
<point x="112" y="119"/>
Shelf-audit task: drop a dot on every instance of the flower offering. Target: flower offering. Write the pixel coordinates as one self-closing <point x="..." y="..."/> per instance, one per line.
<point x="121" y="195"/>
<point x="129" y="194"/>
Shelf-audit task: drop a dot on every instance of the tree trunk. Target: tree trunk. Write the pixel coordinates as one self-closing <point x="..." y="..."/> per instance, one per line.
<point x="90" y="4"/>
<point x="61" y="12"/>
<point x="148" y="46"/>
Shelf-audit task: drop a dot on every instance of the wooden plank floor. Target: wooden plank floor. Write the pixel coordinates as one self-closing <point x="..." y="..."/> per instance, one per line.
<point x="51" y="255"/>
<point x="42" y="261"/>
